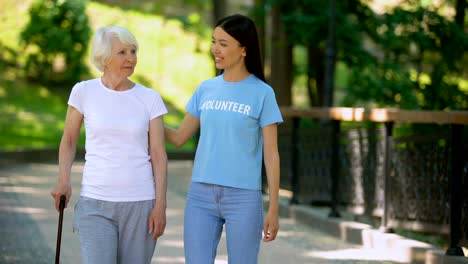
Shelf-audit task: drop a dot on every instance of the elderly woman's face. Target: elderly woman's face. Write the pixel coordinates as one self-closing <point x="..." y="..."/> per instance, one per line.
<point x="123" y="59"/>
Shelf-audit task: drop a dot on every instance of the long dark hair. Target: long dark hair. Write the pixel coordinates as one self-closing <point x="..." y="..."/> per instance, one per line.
<point x="243" y="30"/>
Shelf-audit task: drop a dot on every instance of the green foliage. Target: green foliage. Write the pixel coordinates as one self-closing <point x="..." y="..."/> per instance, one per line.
<point x="171" y="59"/>
<point x="8" y="57"/>
<point x="410" y="57"/>
<point x="419" y="65"/>
<point x="307" y="22"/>
<point x="55" y="41"/>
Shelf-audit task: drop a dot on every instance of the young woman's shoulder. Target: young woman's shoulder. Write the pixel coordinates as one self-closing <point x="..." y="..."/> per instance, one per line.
<point x="261" y="85"/>
<point x="211" y="81"/>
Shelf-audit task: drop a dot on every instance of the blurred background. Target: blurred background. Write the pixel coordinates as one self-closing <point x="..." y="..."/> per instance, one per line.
<point x="398" y="54"/>
<point x="404" y="54"/>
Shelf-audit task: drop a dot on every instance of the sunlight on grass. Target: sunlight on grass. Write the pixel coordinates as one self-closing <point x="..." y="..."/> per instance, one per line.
<point x="29" y="116"/>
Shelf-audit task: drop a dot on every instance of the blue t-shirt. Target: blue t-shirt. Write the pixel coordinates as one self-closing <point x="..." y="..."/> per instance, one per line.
<point x="232" y="115"/>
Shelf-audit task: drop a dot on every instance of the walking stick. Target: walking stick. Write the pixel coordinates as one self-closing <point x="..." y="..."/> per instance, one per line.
<point x="59" y="232"/>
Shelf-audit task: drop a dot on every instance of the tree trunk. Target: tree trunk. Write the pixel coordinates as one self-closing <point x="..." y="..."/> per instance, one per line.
<point x="281" y="60"/>
<point x="315" y="74"/>
<point x="330" y="53"/>
<point x="460" y="13"/>
<point x="259" y="18"/>
<point x="219" y="10"/>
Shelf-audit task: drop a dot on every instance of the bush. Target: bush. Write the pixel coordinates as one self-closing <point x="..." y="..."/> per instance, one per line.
<point x="55" y="41"/>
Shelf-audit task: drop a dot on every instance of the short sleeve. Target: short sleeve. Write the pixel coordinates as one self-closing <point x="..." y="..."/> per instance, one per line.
<point x="158" y="107"/>
<point x="76" y="97"/>
<point x="270" y="112"/>
<point x="193" y="104"/>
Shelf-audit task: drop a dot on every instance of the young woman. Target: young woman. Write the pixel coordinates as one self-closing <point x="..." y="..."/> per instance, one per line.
<point x="238" y="115"/>
<point x="122" y="206"/>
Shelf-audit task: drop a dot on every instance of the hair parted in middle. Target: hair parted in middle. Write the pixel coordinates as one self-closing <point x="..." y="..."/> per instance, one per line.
<point x="243" y="29"/>
<point x="101" y="49"/>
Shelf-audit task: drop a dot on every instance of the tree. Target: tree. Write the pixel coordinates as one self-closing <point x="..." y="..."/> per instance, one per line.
<point x="308" y="24"/>
<point x="408" y="57"/>
<point x="281" y="58"/>
<point x="219" y="10"/>
<point x="460" y="13"/>
<point x="258" y="14"/>
<point x="330" y="56"/>
<point x="420" y="63"/>
<point x="55" y="41"/>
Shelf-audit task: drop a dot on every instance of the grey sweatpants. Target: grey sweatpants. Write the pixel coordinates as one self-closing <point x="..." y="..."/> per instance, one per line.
<point x="114" y="232"/>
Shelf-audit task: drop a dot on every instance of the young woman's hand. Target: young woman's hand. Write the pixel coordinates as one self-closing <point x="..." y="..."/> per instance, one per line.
<point x="271" y="226"/>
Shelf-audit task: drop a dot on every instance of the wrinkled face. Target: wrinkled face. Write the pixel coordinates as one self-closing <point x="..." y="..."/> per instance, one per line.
<point x="123" y="59"/>
<point x="227" y="51"/>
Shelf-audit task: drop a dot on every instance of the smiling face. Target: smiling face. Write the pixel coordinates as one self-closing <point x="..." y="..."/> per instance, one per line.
<point x="227" y="51"/>
<point x="123" y="59"/>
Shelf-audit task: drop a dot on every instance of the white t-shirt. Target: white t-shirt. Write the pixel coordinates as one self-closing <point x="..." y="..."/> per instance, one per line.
<point x="117" y="166"/>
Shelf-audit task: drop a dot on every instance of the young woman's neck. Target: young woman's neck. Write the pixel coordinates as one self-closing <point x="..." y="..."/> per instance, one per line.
<point x="235" y="75"/>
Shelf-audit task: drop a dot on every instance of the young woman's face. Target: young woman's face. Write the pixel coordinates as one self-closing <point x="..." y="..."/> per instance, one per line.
<point x="226" y="50"/>
<point x="123" y="59"/>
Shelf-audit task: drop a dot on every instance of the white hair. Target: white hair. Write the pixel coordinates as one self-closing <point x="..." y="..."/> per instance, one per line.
<point x="101" y="49"/>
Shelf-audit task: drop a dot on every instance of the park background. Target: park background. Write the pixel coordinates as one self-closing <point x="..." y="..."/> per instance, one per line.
<point x="404" y="54"/>
<point x="395" y="54"/>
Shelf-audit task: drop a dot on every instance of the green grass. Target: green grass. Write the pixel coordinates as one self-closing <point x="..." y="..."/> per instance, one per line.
<point x="172" y="60"/>
<point x="30" y="115"/>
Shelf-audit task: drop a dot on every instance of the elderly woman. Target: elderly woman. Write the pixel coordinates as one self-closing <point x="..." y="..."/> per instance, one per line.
<point x="122" y="206"/>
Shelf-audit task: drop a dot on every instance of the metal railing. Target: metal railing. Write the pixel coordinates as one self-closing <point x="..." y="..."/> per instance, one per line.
<point x="350" y="159"/>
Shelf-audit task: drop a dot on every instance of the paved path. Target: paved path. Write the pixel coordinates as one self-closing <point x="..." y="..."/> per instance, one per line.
<point x="28" y="224"/>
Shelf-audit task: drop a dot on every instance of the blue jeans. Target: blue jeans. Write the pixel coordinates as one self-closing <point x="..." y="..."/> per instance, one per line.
<point x="208" y="208"/>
